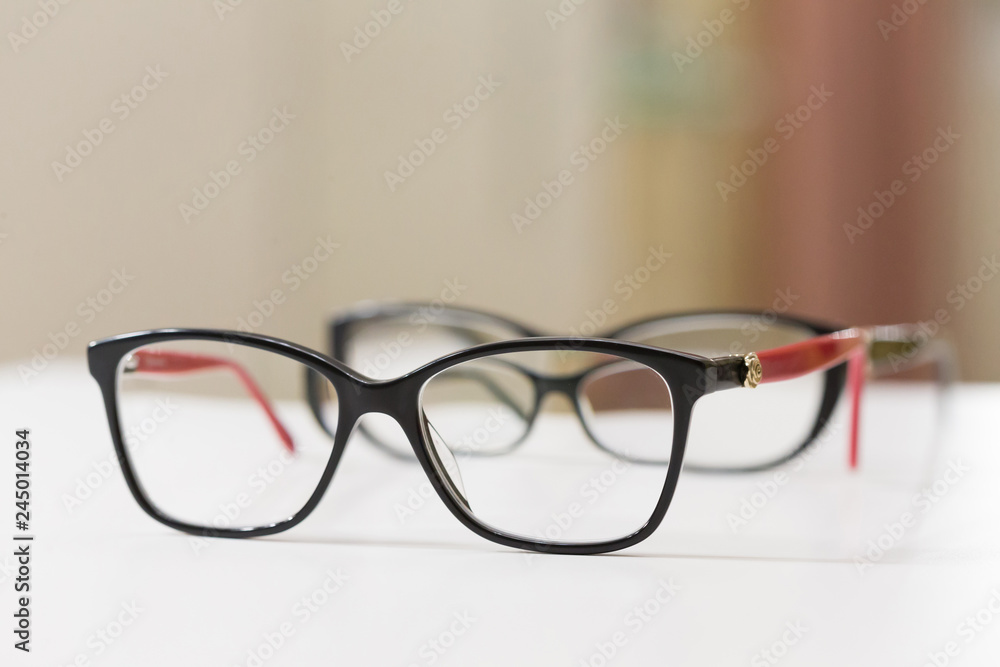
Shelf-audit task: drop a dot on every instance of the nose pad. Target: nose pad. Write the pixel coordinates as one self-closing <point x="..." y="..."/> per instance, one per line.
<point x="447" y="464"/>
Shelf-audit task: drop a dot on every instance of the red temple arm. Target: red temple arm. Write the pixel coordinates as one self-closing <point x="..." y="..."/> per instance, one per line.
<point x="810" y="356"/>
<point x="818" y="354"/>
<point x="856" y="369"/>
<point x="148" y="361"/>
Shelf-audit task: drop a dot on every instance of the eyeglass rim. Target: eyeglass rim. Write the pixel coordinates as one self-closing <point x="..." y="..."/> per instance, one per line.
<point x="688" y="377"/>
<point x="340" y="325"/>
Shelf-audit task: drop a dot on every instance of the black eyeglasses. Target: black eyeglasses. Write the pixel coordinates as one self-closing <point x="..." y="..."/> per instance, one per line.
<point x="214" y="439"/>
<point x="779" y="420"/>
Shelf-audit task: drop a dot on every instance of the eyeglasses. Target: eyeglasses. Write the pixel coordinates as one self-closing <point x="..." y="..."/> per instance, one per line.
<point x="214" y="439"/>
<point x="779" y="420"/>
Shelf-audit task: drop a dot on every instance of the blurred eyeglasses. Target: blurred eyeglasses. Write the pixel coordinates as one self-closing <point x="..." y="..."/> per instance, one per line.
<point x="779" y="420"/>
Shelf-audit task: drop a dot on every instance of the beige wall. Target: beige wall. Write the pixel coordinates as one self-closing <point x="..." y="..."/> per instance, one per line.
<point x="977" y="220"/>
<point x="322" y="177"/>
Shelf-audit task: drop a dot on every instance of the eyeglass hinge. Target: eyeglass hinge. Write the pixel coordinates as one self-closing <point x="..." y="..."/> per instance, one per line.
<point x="738" y="370"/>
<point x="752" y="372"/>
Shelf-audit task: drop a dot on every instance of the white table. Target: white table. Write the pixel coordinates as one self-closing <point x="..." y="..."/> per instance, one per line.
<point x="427" y="591"/>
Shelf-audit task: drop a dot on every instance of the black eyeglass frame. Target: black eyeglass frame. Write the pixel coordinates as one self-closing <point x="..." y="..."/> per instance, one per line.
<point x="463" y="320"/>
<point x="688" y="377"/>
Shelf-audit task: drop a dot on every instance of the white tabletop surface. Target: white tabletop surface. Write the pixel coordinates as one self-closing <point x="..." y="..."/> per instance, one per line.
<point x="426" y="591"/>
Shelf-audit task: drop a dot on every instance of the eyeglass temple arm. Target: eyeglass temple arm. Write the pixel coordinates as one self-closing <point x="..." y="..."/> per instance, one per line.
<point x="147" y="361"/>
<point x="803" y="358"/>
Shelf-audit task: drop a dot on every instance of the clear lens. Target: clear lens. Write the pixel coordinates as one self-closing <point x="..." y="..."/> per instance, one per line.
<point x="621" y="404"/>
<point x="391" y="346"/>
<point x="483" y="407"/>
<point x="738" y="429"/>
<point x="219" y="435"/>
<point x="552" y="484"/>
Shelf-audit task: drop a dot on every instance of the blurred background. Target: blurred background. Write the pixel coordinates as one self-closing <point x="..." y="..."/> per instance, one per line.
<point x="569" y="163"/>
